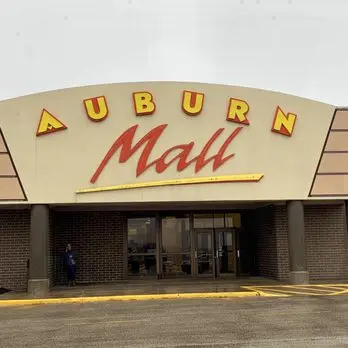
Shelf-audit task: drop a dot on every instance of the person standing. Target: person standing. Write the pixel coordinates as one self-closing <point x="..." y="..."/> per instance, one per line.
<point x="70" y="265"/>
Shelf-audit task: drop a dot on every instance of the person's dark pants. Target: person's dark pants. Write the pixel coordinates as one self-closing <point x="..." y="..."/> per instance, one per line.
<point x="71" y="274"/>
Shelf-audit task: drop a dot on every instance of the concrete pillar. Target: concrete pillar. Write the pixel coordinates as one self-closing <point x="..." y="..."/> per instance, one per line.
<point x="38" y="283"/>
<point x="296" y="235"/>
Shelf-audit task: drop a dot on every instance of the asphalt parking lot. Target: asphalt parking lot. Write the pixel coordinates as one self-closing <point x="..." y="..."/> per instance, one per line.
<point x="257" y="322"/>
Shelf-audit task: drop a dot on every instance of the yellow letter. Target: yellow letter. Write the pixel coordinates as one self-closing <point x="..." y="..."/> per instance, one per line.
<point x="192" y="103"/>
<point x="49" y="124"/>
<point x="143" y="103"/>
<point x="237" y="111"/>
<point x="283" y="124"/>
<point x="96" y="108"/>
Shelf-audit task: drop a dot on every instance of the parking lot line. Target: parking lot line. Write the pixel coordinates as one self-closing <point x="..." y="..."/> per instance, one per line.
<point x="307" y="289"/>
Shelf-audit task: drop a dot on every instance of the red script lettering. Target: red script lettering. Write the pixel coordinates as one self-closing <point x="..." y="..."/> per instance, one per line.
<point x="124" y="143"/>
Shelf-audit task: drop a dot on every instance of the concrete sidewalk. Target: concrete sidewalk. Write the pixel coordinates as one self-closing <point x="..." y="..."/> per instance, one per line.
<point x="151" y="286"/>
<point x="172" y="289"/>
<point x="146" y="289"/>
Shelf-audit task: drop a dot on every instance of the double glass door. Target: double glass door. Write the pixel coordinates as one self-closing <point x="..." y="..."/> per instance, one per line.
<point x="183" y="245"/>
<point x="214" y="252"/>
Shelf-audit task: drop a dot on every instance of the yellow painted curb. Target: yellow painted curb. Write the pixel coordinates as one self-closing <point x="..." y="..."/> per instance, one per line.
<point x="26" y="302"/>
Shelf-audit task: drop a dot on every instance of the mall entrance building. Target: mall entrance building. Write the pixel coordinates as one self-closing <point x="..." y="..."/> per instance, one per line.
<point x="171" y="181"/>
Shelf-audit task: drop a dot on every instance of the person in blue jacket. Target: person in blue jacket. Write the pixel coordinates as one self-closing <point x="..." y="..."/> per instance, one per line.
<point x="70" y="265"/>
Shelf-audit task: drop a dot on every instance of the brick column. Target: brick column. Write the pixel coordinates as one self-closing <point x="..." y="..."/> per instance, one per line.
<point x="345" y="272"/>
<point x="38" y="283"/>
<point x="297" y="252"/>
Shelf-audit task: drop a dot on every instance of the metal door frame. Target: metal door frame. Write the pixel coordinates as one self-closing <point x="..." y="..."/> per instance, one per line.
<point x="194" y="254"/>
<point x="235" y="252"/>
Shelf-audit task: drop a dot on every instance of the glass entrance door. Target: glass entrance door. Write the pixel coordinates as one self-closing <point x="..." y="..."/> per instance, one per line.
<point x="204" y="264"/>
<point x="226" y="252"/>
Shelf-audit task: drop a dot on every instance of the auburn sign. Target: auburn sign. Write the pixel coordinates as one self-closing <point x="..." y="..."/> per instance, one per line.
<point x="181" y="155"/>
<point x="96" y="110"/>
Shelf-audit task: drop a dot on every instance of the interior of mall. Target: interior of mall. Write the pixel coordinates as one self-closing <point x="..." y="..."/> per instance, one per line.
<point x="195" y="244"/>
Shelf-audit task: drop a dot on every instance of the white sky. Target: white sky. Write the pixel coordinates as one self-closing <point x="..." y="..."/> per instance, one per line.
<point x="293" y="46"/>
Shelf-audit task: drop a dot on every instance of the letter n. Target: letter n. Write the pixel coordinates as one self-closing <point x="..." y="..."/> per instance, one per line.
<point x="283" y="124"/>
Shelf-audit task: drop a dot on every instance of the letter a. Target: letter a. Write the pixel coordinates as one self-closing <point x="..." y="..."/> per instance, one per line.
<point x="49" y="124"/>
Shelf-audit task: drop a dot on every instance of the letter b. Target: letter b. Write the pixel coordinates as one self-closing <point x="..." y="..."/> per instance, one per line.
<point x="143" y="103"/>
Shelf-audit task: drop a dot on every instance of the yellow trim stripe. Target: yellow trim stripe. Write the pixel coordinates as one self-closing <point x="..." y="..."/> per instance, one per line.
<point x="31" y="302"/>
<point x="172" y="182"/>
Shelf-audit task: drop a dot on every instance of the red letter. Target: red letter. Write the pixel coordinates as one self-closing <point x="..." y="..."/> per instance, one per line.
<point x="200" y="160"/>
<point x="125" y="143"/>
<point x="161" y="166"/>
<point x="218" y="158"/>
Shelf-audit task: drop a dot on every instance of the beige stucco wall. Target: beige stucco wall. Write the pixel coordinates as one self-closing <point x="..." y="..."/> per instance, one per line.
<point x="53" y="167"/>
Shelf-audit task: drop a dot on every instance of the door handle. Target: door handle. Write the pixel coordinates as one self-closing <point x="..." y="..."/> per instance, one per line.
<point x="195" y="254"/>
<point x="217" y="254"/>
<point x="238" y="254"/>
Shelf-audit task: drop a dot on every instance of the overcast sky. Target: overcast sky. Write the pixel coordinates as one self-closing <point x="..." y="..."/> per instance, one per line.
<point x="293" y="46"/>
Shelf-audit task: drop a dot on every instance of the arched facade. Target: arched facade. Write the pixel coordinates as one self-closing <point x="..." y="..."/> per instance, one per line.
<point x="171" y="179"/>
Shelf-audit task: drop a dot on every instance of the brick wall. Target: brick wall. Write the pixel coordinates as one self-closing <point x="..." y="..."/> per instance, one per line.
<point x="51" y="273"/>
<point x="281" y="227"/>
<point x="14" y="248"/>
<point x="272" y="242"/>
<point x="264" y="224"/>
<point x="99" y="240"/>
<point x="326" y="239"/>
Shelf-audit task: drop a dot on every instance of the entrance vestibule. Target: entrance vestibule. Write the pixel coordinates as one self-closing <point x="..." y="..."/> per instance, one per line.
<point x="171" y="245"/>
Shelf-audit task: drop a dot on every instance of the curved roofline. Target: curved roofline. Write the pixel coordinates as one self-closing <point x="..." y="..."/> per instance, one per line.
<point x="170" y="81"/>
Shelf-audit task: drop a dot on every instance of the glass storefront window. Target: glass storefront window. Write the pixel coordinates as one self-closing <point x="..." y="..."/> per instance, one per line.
<point x="209" y="221"/>
<point x="233" y="220"/>
<point x="142" y="246"/>
<point x="142" y="265"/>
<point x="203" y="221"/>
<point x="141" y="235"/>
<point x="176" y="246"/>
<point x="176" y="265"/>
<point x="176" y="235"/>
<point x="176" y="250"/>
<point x="219" y="220"/>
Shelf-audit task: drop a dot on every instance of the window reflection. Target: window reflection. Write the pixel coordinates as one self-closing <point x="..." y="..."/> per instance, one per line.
<point x="176" y="235"/>
<point x="141" y="235"/>
<point x="142" y="246"/>
<point x="203" y="220"/>
<point x="217" y="220"/>
<point x="142" y="265"/>
<point x="175" y="249"/>
<point x="176" y="265"/>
